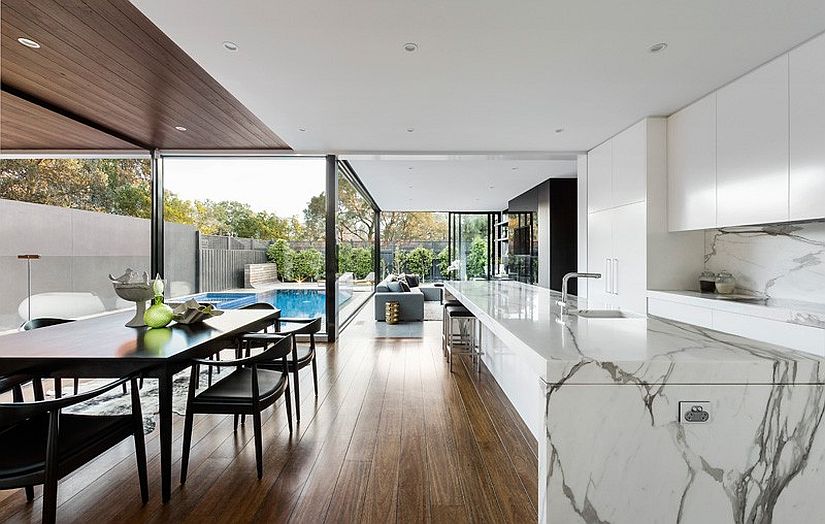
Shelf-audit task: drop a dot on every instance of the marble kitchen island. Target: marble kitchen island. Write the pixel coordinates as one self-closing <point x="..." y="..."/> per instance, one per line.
<point x="609" y="402"/>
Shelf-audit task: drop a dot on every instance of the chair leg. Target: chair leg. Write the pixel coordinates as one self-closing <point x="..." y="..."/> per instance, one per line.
<point x="315" y="376"/>
<point x="187" y="442"/>
<point x="235" y="425"/>
<point x="288" y="399"/>
<point x="297" y="393"/>
<point x="51" y="476"/>
<point x="259" y="460"/>
<point x="29" y="493"/>
<point x="140" y="455"/>
<point x="77" y="386"/>
<point x="123" y="386"/>
<point x="209" y="373"/>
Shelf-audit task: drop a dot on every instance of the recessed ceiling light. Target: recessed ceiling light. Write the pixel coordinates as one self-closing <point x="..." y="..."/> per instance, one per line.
<point x="514" y="168"/>
<point x="410" y="168"/>
<point x="230" y="46"/>
<point x="28" y="42"/>
<point x="560" y="130"/>
<point x="410" y="186"/>
<point x="658" y="48"/>
<point x="491" y="187"/>
<point x="410" y="47"/>
<point x="180" y="128"/>
<point x="410" y="129"/>
<point x="302" y="129"/>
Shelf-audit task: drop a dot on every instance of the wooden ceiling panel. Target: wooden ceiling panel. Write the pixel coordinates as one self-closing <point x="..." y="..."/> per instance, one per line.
<point x="105" y="62"/>
<point x="23" y="124"/>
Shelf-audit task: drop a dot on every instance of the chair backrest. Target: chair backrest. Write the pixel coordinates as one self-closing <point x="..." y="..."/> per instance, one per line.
<point x="259" y="305"/>
<point x="17" y="411"/>
<point x="37" y="323"/>
<point x="280" y="349"/>
<point x="311" y="327"/>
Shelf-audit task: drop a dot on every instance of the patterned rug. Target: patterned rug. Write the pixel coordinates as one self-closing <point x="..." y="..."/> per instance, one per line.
<point x="115" y="402"/>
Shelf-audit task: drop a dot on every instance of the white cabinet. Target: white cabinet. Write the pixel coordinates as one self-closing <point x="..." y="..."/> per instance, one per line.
<point x="600" y="177"/>
<point x="630" y="165"/>
<point x="807" y="118"/>
<point x="599" y="255"/>
<point x="616" y="247"/>
<point x="752" y="147"/>
<point x="617" y="170"/>
<point x="691" y="166"/>
<point x="629" y="279"/>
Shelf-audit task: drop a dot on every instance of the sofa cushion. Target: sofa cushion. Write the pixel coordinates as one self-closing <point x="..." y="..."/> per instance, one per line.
<point x="394" y="287"/>
<point x="405" y="287"/>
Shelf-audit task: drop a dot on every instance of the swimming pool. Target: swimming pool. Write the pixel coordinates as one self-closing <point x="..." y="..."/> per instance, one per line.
<point x="302" y="303"/>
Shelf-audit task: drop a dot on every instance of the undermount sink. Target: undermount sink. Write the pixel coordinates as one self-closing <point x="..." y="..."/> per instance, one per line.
<point x="601" y="313"/>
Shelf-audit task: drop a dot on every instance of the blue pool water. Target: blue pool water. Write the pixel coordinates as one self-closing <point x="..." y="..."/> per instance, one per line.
<point x="306" y="303"/>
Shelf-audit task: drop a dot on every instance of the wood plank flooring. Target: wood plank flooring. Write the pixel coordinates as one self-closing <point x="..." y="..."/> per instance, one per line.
<point x="393" y="436"/>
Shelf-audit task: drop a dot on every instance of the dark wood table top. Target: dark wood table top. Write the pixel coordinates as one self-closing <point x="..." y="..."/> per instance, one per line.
<point x="106" y="339"/>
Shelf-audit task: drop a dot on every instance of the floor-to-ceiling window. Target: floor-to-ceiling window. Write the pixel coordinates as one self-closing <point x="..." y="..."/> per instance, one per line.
<point x="67" y="223"/>
<point x="414" y="242"/>
<point x="245" y="229"/>
<point x="472" y="245"/>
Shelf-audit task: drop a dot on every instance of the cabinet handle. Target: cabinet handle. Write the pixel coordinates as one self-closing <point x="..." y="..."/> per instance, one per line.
<point x="615" y="278"/>
<point x="607" y="275"/>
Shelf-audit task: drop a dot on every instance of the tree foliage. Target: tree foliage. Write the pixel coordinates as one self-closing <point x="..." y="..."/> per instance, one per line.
<point x="307" y="264"/>
<point x="355" y="260"/>
<point x="443" y="262"/>
<point x="280" y="253"/>
<point x="477" y="258"/>
<point x="420" y="261"/>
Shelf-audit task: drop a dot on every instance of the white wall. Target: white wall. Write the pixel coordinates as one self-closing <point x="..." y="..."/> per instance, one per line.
<point x="581" y="173"/>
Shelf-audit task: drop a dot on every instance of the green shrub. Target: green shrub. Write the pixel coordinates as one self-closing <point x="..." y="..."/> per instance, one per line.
<point x="307" y="264"/>
<point x="443" y="262"/>
<point x="477" y="258"/>
<point x="420" y="261"/>
<point x="281" y="254"/>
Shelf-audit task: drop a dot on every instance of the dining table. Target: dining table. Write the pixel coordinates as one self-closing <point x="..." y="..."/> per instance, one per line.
<point x="103" y="347"/>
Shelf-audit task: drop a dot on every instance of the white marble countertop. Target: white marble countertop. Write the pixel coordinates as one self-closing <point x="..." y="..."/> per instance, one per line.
<point x="791" y="311"/>
<point x="638" y="351"/>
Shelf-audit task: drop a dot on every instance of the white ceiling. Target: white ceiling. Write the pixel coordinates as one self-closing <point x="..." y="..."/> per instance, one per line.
<point x="463" y="184"/>
<point x="489" y="75"/>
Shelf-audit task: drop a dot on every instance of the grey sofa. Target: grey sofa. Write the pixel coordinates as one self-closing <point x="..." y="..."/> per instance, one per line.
<point x="411" y="303"/>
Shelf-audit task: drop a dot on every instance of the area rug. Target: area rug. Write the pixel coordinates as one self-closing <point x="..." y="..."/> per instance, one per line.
<point x="433" y="310"/>
<point x="115" y="402"/>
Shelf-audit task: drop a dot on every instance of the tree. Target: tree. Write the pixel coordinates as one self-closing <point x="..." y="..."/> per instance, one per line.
<point x="356" y="218"/>
<point x="281" y="254"/>
<point x="315" y="218"/>
<point x="401" y="226"/>
<point x="399" y="261"/>
<point x="362" y="262"/>
<point x="477" y="258"/>
<point x="307" y="264"/>
<point x="443" y="262"/>
<point x="420" y="261"/>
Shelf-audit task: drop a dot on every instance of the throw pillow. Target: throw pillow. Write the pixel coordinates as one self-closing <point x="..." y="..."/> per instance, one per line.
<point x="412" y="280"/>
<point x="404" y="286"/>
<point x="394" y="287"/>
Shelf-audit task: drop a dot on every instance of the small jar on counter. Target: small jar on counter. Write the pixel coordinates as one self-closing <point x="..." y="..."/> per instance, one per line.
<point x="707" y="281"/>
<point x="725" y="283"/>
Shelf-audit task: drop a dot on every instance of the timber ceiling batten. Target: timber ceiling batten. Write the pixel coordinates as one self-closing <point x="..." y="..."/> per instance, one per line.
<point x="105" y="62"/>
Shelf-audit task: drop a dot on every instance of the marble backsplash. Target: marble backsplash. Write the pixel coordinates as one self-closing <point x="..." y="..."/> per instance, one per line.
<point x="783" y="261"/>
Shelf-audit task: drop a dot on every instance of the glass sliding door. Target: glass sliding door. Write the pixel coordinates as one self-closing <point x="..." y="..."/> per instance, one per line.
<point x="472" y="245"/>
<point x="246" y="229"/>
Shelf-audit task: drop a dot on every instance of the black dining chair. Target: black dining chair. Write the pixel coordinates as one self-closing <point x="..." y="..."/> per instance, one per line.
<point x="42" y="445"/>
<point x="300" y="358"/>
<point x="249" y="389"/>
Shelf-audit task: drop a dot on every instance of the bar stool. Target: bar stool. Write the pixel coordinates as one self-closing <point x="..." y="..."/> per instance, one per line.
<point x="466" y="340"/>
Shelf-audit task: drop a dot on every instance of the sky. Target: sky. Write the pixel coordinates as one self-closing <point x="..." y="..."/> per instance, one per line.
<point x="279" y="185"/>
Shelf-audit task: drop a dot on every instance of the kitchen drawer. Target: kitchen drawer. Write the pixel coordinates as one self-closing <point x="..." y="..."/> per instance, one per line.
<point x="795" y="336"/>
<point x="695" y="315"/>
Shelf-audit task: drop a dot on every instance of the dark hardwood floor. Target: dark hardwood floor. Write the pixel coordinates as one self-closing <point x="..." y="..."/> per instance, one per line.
<point x="392" y="437"/>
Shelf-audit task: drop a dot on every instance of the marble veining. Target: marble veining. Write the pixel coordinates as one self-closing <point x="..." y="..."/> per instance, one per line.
<point x="615" y="448"/>
<point x="780" y="260"/>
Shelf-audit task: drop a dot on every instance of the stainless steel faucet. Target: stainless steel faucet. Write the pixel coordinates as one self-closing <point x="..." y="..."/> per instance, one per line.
<point x="565" y="279"/>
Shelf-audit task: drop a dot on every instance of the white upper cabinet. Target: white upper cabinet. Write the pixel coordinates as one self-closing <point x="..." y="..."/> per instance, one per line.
<point x="630" y="165"/>
<point x="807" y="145"/>
<point x="752" y="147"/>
<point x="600" y="177"/>
<point x="691" y="166"/>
